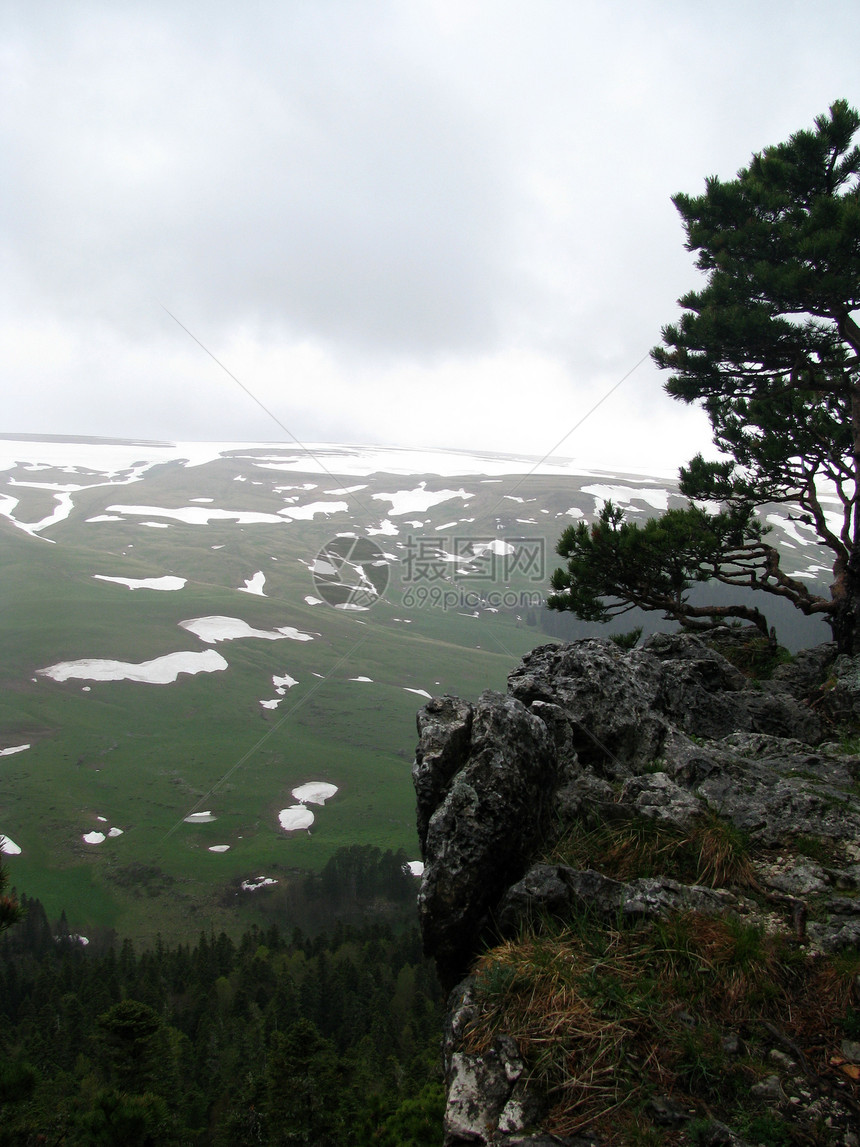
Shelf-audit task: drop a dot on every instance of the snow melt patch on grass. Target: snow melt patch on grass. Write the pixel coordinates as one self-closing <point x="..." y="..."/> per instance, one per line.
<point x="94" y="838"/>
<point x="160" y="583"/>
<point x="13" y="749"/>
<point x="257" y="882"/>
<point x="219" y="847"/>
<point x="792" y="528"/>
<point x="160" y="671"/>
<point x="627" y="495"/>
<point x="218" y="628"/>
<point x="9" y="847"/>
<point x="282" y="684"/>
<point x="198" y="515"/>
<point x="314" y="792"/>
<point x="386" y="528"/>
<point x="418" y="500"/>
<point x="200" y="817"/>
<point x="295" y="817"/>
<point x="497" y="546"/>
<point x="254" y="584"/>
<point x="420" y="692"/>
<point x="310" y="511"/>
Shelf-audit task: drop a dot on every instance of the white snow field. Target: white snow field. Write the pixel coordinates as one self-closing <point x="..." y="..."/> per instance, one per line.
<point x="254" y="584"/>
<point x="295" y="817"/>
<point x="314" y="792"/>
<point x="627" y="495"/>
<point x="159" y="583"/>
<point x="160" y="671"/>
<point x="218" y="628"/>
<point x="418" y="500"/>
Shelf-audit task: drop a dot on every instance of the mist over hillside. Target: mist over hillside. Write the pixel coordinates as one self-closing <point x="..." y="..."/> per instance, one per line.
<point x="214" y="652"/>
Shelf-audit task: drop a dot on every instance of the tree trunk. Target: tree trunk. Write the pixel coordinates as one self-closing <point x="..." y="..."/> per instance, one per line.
<point x="845" y="618"/>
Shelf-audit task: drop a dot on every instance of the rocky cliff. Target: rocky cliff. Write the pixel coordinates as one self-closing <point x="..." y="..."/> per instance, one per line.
<point x="641" y="886"/>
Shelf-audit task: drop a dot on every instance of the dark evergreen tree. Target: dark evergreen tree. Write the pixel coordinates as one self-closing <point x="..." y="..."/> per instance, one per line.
<point x="771" y="348"/>
<point x="226" y="1047"/>
<point x="10" y="909"/>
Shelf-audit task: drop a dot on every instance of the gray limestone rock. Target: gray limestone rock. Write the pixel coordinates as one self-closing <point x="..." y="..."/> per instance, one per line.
<point x="488" y="1100"/>
<point x="670" y="732"/>
<point x="491" y="815"/>
<point x="657" y="797"/>
<point x="444" y="732"/>
<point x="559" y="891"/>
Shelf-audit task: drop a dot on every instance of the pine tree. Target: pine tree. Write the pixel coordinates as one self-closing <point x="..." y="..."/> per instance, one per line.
<point x="10" y="909"/>
<point x="771" y="349"/>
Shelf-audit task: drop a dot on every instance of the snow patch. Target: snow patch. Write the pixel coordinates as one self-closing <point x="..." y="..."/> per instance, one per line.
<point x="254" y="584"/>
<point x="314" y="792"/>
<point x="418" y="500"/>
<point x="160" y="671"/>
<point x="627" y="495"/>
<point x="386" y="528"/>
<point x="160" y="583"/>
<point x="218" y="628"/>
<point x="295" y="817"/>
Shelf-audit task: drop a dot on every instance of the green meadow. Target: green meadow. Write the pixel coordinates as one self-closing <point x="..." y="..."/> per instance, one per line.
<point x="144" y="756"/>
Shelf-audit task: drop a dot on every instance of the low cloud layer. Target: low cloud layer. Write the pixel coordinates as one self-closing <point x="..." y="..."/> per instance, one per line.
<point x="432" y="223"/>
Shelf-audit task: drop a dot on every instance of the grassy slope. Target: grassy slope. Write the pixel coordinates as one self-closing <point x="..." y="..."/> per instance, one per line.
<point x="144" y="756"/>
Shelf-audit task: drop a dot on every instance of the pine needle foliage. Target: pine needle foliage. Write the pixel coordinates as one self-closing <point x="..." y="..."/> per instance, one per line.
<point x="770" y="348"/>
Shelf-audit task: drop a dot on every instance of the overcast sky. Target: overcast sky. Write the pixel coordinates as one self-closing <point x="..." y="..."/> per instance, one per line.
<point x="412" y="222"/>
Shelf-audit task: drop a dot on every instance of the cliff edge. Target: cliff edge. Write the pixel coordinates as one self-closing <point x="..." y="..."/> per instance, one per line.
<point x="642" y="889"/>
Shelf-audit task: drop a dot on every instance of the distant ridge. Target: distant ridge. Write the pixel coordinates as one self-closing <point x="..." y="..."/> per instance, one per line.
<point x="83" y="439"/>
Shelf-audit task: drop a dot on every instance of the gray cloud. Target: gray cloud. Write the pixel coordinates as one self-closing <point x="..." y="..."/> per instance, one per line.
<point x="434" y="221"/>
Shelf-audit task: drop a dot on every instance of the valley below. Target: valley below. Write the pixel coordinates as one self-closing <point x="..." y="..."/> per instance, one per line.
<point x="213" y="655"/>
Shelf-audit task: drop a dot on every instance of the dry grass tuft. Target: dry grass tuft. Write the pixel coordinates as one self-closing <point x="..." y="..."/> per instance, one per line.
<point x="606" y="1018"/>
<point x="712" y="852"/>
